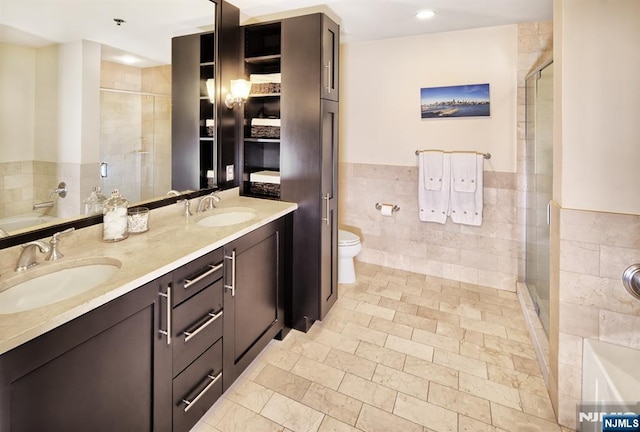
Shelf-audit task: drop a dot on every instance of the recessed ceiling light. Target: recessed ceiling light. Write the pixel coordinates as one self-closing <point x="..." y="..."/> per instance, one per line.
<point x="127" y="59"/>
<point x="425" y="14"/>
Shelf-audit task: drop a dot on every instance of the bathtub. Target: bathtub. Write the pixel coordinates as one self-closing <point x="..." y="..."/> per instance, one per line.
<point x="610" y="381"/>
<point x="20" y="222"/>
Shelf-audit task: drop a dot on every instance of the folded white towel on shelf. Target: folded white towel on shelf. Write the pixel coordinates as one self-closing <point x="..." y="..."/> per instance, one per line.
<point x="433" y="162"/>
<point x="465" y="204"/>
<point x="464" y="171"/>
<point x="272" y="177"/>
<point x="434" y="204"/>
<point x="265" y="122"/>
<point x="265" y="78"/>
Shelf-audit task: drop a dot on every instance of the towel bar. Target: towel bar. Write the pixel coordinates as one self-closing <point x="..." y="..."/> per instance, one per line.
<point x="484" y="155"/>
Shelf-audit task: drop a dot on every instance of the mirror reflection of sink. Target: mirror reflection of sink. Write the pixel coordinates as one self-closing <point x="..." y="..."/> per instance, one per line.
<point x="228" y="216"/>
<point x="54" y="283"/>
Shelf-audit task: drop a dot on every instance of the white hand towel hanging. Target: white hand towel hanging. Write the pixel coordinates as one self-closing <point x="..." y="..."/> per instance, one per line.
<point x="466" y="202"/>
<point x="434" y="203"/>
<point x="433" y="162"/>
<point x="464" y="171"/>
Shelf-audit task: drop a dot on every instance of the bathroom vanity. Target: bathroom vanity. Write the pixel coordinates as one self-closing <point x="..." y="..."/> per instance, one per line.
<point x="154" y="346"/>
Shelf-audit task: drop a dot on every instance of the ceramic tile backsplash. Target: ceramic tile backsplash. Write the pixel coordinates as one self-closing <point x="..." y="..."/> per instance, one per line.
<point x="487" y="255"/>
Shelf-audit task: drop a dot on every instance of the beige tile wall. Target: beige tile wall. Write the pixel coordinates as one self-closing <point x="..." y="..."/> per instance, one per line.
<point x="595" y="248"/>
<point x="487" y="255"/>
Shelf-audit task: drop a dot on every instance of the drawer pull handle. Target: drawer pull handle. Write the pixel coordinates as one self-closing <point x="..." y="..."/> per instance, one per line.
<point x="167" y="332"/>
<point x="189" y="335"/>
<point x="189" y="404"/>
<point x="213" y="269"/>
<point x="232" y="287"/>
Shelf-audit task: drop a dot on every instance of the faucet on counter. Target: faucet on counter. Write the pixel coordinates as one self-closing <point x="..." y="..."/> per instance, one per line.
<point x="208" y="202"/>
<point x="187" y="204"/>
<point x="54" y="254"/>
<point x="27" y="258"/>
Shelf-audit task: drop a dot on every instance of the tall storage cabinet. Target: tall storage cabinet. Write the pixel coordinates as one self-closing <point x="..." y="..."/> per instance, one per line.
<point x="306" y="150"/>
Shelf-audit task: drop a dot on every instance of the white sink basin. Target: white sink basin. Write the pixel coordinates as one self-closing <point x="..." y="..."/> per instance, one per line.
<point x="228" y="216"/>
<point x="54" y="283"/>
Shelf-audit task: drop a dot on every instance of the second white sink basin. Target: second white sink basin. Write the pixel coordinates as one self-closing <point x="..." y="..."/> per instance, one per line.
<point x="228" y="216"/>
<point x="55" y="283"/>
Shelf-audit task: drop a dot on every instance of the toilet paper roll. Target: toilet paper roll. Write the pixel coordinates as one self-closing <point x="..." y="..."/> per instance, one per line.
<point x="386" y="210"/>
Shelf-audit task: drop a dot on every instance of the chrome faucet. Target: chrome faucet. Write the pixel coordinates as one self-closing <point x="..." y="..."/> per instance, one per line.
<point x="54" y="254"/>
<point x="208" y="202"/>
<point x="187" y="204"/>
<point x="27" y="258"/>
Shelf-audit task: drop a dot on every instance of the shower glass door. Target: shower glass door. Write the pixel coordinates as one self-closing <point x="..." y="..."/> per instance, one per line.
<point x="539" y="173"/>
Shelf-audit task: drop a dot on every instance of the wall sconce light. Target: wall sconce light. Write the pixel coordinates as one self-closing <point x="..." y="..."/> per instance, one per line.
<point x="211" y="90"/>
<point x="239" y="93"/>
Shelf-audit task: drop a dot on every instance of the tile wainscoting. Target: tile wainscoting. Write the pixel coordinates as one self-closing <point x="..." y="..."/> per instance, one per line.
<point x="489" y="255"/>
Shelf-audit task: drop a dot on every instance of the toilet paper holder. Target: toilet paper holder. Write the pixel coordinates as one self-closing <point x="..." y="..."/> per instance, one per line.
<point x="394" y="209"/>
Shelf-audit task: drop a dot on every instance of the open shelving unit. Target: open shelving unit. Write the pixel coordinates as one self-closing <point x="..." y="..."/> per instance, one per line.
<point x="262" y="56"/>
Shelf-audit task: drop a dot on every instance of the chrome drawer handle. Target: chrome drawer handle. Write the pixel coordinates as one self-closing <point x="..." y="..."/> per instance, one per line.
<point x="327" y="217"/>
<point x="189" y="282"/>
<point x="232" y="287"/>
<point x="167" y="332"/>
<point x="189" y="335"/>
<point x="189" y="403"/>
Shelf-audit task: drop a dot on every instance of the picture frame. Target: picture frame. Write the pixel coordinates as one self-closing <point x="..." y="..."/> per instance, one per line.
<point x="469" y="100"/>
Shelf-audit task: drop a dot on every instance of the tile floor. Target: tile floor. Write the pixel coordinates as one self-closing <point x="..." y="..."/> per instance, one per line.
<point x="399" y="351"/>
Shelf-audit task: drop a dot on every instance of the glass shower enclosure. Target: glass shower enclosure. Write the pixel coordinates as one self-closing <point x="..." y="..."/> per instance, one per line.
<point x="539" y="187"/>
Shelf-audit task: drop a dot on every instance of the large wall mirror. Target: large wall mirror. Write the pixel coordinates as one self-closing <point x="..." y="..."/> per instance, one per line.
<point x="85" y="100"/>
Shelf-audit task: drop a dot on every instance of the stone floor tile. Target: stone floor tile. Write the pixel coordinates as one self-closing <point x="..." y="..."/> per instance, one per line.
<point x="281" y="381"/>
<point x="460" y="363"/>
<point x="291" y="414"/>
<point x="329" y="424"/>
<point x="241" y="419"/>
<point x="411" y="348"/>
<point x="366" y="334"/>
<point x="431" y="371"/>
<point x="429" y="415"/>
<point x="399" y="306"/>
<point x="436" y="340"/>
<point x="337" y="340"/>
<point x="332" y="403"/>
<point x="460" y="402"/>
<point x="402" y="381"/>
<point x="249" y="394"/>
<point x="351" y="363"/>
<point x="515" y="420"/>
<point x="318" y="372"/>
<point x="391" y="327"/>
<point x="373" y="419"/>
<point x="368" y="392"/>
<point x="490" y="390"/>
<point x="381" y="355"/>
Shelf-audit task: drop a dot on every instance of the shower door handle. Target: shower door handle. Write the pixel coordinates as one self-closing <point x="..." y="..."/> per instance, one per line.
<point x="549" y="213"/>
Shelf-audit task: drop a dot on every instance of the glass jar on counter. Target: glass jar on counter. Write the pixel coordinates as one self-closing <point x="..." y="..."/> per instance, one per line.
<point x="114" y="226"/>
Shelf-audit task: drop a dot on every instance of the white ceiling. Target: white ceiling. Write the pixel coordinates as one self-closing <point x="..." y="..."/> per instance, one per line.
<point x="150" y="24"/>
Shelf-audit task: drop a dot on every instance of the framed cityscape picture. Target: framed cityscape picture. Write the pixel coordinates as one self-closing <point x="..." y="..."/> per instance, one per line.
<point x="471" y="100"/>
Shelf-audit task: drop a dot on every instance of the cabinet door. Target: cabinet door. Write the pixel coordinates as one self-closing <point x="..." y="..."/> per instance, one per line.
<point x="253" y="298"/>
<point x="329" y="231"/>
<point x="330" y="59"/>
<point x="108" y="370"/>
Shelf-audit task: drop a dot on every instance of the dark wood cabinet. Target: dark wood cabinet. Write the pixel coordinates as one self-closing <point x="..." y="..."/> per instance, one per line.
<point x="201" y="65"/>
<point x="196" y="329"/>
<point x="104" y="371"/>
<point x="254" y="298"/>
<point x="305" y="51"/>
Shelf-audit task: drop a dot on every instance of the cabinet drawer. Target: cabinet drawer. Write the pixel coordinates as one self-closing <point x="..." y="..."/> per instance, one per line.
<point x="197" y="323"/>
<point x="197" y="388"/>
<point x="197" y="275"/>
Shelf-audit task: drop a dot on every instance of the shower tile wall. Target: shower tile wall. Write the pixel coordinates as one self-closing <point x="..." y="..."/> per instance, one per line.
<point x="488" y="255"/>
<point x="594" y="250"/>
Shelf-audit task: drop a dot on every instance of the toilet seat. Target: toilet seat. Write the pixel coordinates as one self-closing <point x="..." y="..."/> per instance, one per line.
<point x="346" y="238"/>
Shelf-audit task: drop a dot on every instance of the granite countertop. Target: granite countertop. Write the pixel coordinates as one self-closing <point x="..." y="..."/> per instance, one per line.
<point x="171" y="241"/>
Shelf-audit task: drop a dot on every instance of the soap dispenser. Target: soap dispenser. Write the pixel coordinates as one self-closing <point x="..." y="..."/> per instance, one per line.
<point x="114" y="227"/>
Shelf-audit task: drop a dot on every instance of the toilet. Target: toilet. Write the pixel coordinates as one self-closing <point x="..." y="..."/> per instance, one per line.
<point x="348" y="247"/>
